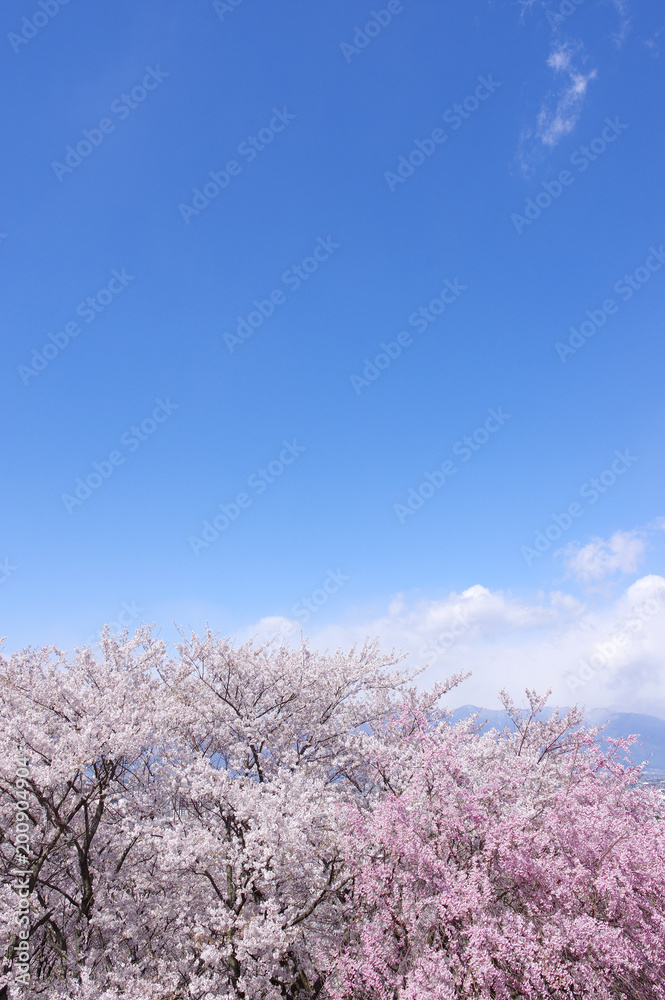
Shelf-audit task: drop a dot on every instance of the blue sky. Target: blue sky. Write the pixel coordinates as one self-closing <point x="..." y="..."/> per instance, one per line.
<point x="422" y="200"/>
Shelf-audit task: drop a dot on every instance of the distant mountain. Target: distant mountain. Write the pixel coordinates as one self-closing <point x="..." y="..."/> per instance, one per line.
<point x="649" y="729"/>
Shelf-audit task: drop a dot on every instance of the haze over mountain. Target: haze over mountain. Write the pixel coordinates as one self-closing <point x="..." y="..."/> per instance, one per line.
<point x="651" y="731"/>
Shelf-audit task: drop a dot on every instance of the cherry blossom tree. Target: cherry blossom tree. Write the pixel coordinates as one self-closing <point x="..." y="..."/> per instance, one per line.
<point x="185" y="813"/>
<point x="89" y="730"/>
<point x="263" y="822"/>
<point x="527" y="863"/>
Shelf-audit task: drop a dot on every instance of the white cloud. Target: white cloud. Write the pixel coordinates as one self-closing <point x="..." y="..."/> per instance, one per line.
<point x="567" y="602"/>
<point x="559" y="115"/>
<point x="640" y="591"/>
<point x="513" y="642"/>
<point x="600" y="558"/>
<point x="559" y="59"/>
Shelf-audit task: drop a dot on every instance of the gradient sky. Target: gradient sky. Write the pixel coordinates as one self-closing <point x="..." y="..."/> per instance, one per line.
<point x="539" y="198"/>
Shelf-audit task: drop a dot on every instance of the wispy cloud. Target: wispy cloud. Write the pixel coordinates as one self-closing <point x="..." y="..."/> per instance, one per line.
<point x="619" y="37"/>
<point x="560" y="110"/>
<point x="652" y="44"/>
<point x="560" y="113"/>
<point x="557" y="14"/>
<point x="526" y="5"/>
